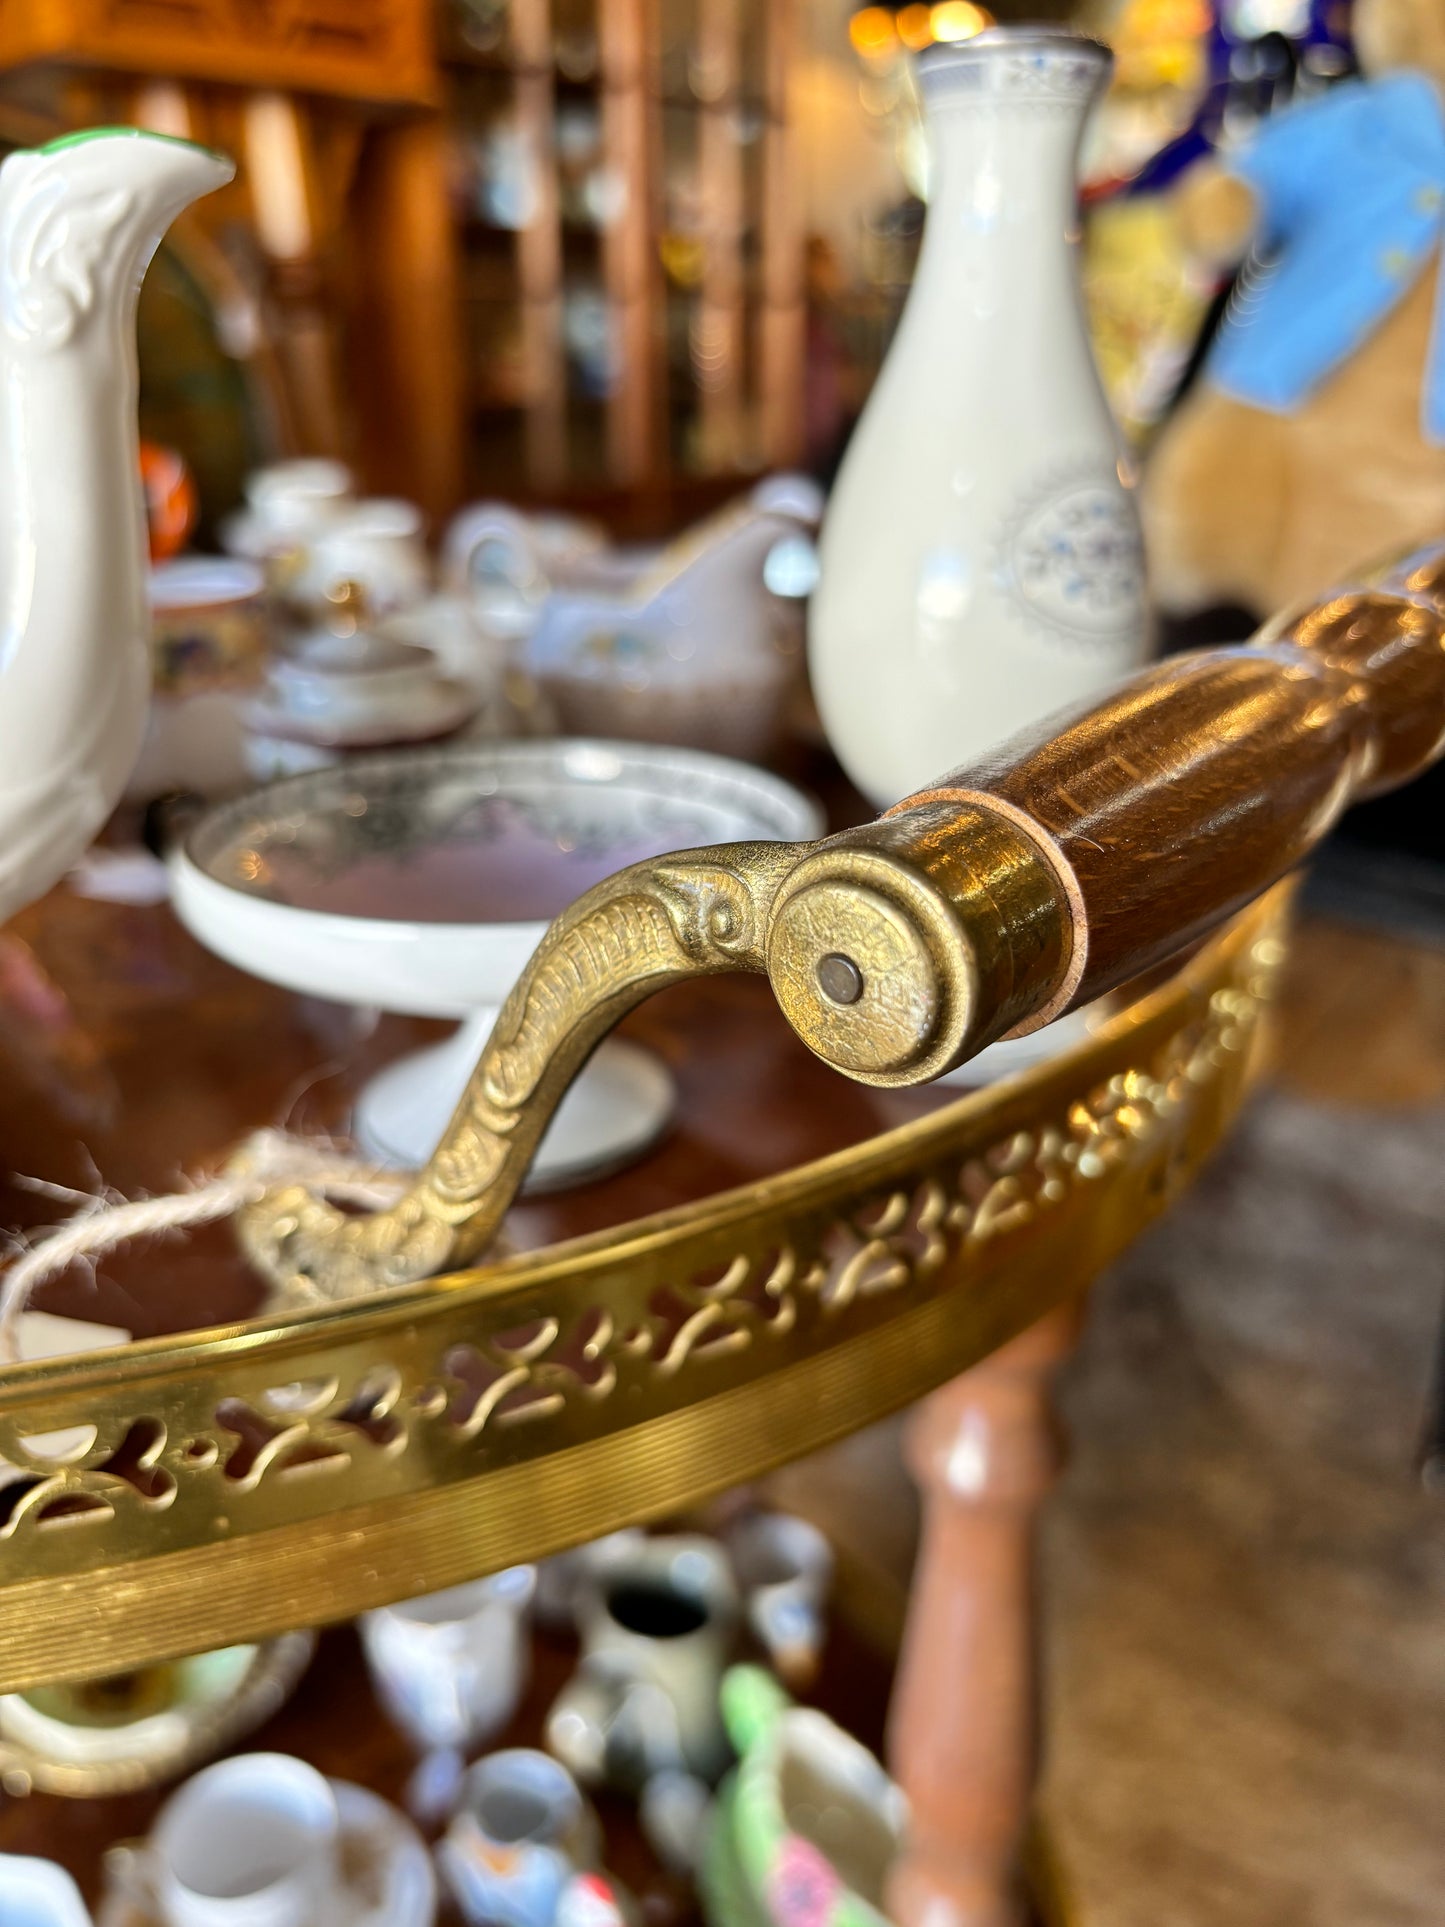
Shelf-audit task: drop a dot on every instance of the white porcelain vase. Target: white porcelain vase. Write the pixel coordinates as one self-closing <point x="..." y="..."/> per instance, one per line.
<point x="981" y="563"/>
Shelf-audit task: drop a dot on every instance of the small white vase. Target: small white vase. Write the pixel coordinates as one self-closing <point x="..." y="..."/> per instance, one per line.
<point x="451" y="1667"/>
<point x="981" y="563"/>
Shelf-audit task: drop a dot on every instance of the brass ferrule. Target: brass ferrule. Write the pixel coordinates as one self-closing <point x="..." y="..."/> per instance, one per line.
<point x="900" y="949"/>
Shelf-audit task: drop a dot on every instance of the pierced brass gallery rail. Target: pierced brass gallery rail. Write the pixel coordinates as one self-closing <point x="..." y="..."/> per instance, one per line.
<point x="229" y="1484"/>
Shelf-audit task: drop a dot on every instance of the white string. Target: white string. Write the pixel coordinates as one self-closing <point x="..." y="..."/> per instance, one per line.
<point x="266" y="1161"/>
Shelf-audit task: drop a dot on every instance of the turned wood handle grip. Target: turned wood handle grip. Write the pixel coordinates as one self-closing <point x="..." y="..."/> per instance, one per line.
<point x="1169" y="805"/>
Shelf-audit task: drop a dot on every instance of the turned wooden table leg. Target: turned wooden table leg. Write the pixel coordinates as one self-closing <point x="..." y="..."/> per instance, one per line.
<point x="963" y="1729"/>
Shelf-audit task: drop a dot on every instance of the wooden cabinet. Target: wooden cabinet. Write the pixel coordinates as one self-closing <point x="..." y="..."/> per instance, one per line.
<point x="546" y="248"/>
<point x="631" y="259"/>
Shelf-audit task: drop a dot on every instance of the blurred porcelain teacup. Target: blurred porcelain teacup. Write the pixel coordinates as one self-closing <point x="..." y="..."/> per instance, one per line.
<point x="287" y="506"/>
<point x="494" y="548"/>
<point x="377" y="544"/>
<point x="447" y="626"/>
<point x="451" y="1667"/>
<point x="505" y="564"/>
<point x="37" y="1893"/>
<point x="210" y="623"/>
<point x="251" y="1842"/>
<point x="290" y="501"/>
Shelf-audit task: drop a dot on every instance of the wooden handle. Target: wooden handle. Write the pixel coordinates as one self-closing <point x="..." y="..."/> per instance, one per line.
<point x="1169" y="805"/>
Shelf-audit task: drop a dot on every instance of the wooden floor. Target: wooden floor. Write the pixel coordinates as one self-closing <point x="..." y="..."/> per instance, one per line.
<point x="1244" y="1582"/>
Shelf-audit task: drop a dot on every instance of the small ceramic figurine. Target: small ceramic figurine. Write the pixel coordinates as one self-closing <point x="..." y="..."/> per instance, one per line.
<point x="346" y="686"/>
<point x="79" y="221"/>
<point x="806" y="1828"/>
<point x="980" y="561"/>
<point x="522" y="1832"/>
<point x="1315" y="436"/>
<point x="592" y="1900"/>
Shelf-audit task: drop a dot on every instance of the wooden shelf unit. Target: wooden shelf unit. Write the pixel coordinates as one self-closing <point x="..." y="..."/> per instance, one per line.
<point x="656" y="322"/>
<point x="627" y="333"/>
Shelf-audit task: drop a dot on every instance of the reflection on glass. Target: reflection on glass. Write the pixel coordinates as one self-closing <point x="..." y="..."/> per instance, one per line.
<point x="587" y="330"/>
<point x="505" y="174"/>
<point x="483" y="24"/>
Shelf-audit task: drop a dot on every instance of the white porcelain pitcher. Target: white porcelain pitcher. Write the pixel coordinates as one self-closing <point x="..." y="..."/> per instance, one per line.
<point x="981" y="563"/>
<point x="79" y="222"/>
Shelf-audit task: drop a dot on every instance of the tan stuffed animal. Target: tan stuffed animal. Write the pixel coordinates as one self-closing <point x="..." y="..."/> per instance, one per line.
<point x="1293" y="460"/>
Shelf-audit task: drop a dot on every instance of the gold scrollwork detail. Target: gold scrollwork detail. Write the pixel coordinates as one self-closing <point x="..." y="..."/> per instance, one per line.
<point x="644" y="928"/>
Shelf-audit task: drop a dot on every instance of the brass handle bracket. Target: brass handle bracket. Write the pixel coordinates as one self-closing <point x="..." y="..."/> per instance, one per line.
<point x="894" y="951"/>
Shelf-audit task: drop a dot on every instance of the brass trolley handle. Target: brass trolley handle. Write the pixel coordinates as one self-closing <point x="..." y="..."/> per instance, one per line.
<point x="1067" y="861"/>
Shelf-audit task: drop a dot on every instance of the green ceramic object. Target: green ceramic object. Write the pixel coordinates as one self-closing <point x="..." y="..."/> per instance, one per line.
<point x="805" y="1829"/>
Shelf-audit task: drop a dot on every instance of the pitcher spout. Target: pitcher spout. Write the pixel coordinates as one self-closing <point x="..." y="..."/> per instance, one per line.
<point x="79" y="221"/>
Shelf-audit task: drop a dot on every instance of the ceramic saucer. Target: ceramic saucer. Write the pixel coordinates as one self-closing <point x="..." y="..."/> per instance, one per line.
<point x="387" y="1868"/>
<point x="436" y="711"/>
<point x="358" y="690"/>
